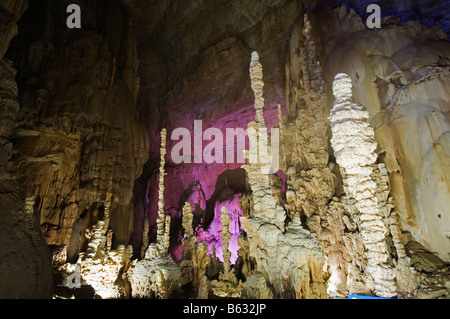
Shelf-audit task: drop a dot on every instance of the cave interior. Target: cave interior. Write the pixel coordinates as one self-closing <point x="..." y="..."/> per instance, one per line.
<point x="224" y="149"/>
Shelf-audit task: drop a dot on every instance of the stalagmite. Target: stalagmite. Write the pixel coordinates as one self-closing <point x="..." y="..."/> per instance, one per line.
<point x="157" y="275"/>
<point x="203" y="288"/>
<point x="186" y="260"/>
<point x="145" y="241"/>
<point x="271" y="243"/>
<point x="194" y="258"/>
<point x="102" y="267"/>
<point x="166" y="238"/>
<point x="160" y="221"/>
<point x="257" y="83"/>
<point x="257" y="168"/>
<point x="227" y="285"/>
<point x="406" y="277"/>
<point x="106" y="218"/>
<point x="354" y="146"/>
<point x="225" y="218"/>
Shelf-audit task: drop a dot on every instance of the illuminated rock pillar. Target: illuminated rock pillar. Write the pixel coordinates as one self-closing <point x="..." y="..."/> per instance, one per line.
<point x="287" y="258"/>
<point x="161" y="223"/>
<point x="354" y="146"/>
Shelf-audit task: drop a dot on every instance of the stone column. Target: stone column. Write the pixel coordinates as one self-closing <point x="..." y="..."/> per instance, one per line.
<point x="354" y="146"/>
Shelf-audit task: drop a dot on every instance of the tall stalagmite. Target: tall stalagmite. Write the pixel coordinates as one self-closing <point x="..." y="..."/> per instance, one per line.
<point x="157" y="275"/>
<point x="287" y="257"/>
<point x="354" y="146"/>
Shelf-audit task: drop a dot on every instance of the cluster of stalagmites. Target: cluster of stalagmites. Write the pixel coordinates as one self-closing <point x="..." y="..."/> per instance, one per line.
<point x="157" y="275"/>
<point x="71" y="150"/>
<point x="227" y="284"/>
<point x="112" y="273"/>
<point x="354" y="243"/>
<point x="99" y="266"/>
<point x="350" y="238"/>
<point x="288" y="260"/>
<point x="366" y="182"/>
<point x="354" y="146"/>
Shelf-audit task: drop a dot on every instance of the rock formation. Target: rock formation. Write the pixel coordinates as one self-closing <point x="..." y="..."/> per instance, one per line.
<point x="354" y="145"/>
<point x="289" y="258"/>
<point x="227" y="285"/>
<point x="157" y="275"/>
<point x="25" y="263"/>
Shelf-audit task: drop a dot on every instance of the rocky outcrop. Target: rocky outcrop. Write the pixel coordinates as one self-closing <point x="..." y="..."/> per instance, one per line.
<point x="73" y="129"/>
<point x="25" y="261"/>
<point x="79" y="142"/>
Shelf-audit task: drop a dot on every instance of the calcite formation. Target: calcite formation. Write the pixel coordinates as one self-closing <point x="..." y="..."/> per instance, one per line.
<point x="157" y="275"/>
<point x="187" y="258"/>
<point x="25" y="264"/>
<point x="102" y="267"/>
<point x="287" y="257"/>
<point x="398" y="73"/>
<point x="78" y="134"/>
<point x="160" y="222"/>
<point x="194" y="258"/>
<point x="265" y="205"/>
<point x="312" y="185"/>
<point x="227" y="285"/>
<point x="354" y="146"/>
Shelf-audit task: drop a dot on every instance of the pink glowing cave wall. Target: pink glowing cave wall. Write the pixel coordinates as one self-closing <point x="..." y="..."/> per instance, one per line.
<point x="213" y="235"/>
<point x="212" y="86"/>
<point x="199" y="178"/>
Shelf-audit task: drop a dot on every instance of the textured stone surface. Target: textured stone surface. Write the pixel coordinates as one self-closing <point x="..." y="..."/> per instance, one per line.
<point x="354" y="145"/>
<point x="25" y="261"/>
<point x="289" y="258"/>
<point x="399" y="74"/>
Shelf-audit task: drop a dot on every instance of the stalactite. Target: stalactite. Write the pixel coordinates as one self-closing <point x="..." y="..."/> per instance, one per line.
<point x="227" y="285"/>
